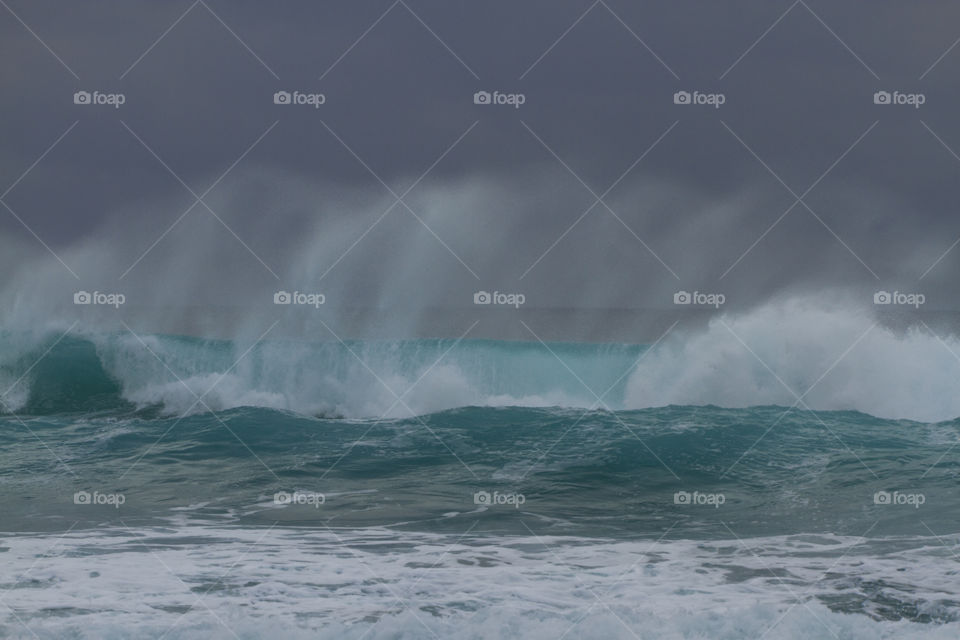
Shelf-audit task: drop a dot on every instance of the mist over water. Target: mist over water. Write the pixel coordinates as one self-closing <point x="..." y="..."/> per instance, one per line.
<point x="793" y="352"/>
<point x="479" y="320"/>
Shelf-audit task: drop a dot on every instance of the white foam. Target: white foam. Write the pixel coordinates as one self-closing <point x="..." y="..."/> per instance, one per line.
<point x="379" y="583"/>
<point x="833" y="355"/>
<point x="805" y="347"/>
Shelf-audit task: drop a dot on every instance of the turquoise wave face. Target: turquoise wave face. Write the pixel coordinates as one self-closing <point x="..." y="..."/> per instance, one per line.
<point x="500" y="466"/>
<point x="912" y="375"/>
<point x="166" y="374"/>
<point x="174" y="424"/>
<point x="760" y="471"/>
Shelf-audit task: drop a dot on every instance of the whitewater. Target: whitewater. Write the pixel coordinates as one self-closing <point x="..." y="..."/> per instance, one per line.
<point x="790" y="353"/>
<point x="785" y="472"/>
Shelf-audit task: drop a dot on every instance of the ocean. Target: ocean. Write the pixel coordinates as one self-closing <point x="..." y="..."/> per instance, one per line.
<point x="191" y="488"/>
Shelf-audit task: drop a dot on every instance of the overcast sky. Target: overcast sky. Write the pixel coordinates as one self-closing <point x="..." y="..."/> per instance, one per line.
<point x="693" y="196"/>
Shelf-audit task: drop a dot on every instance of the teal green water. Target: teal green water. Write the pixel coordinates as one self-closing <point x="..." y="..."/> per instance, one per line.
<point x="494" y="488"/>
<point x="584" y="472"/>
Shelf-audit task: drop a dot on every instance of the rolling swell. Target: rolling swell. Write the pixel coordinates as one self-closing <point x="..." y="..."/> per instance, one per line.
<point x="582" y="473"/>
<point x="354" y="379"/>
<point x="827" y="359"/>
<point x="178" y="423"/>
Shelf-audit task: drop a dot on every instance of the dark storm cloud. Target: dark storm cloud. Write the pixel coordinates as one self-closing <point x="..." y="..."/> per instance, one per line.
<point x="690" y="188"/>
